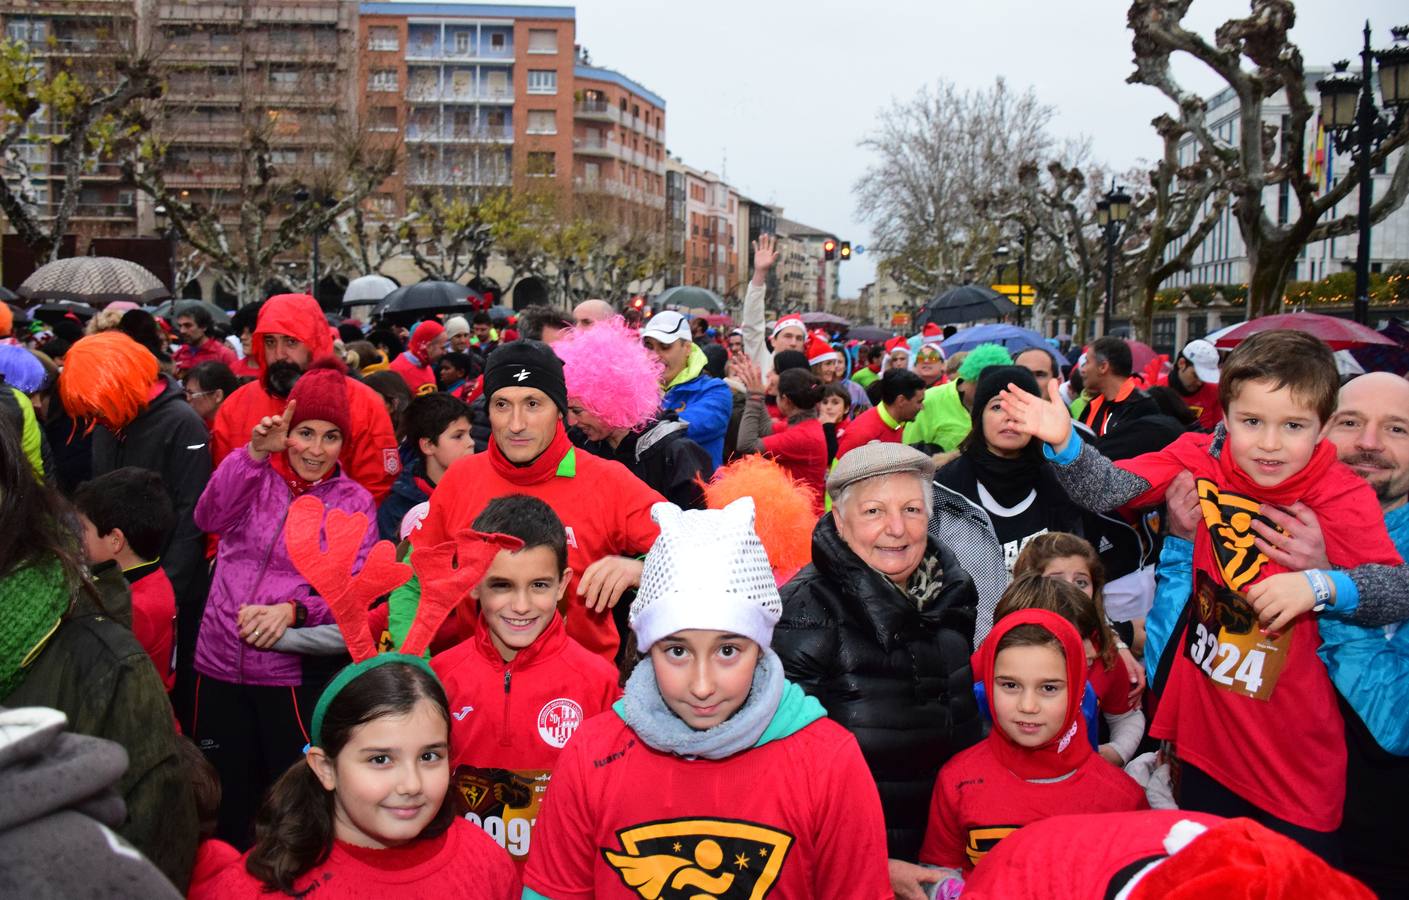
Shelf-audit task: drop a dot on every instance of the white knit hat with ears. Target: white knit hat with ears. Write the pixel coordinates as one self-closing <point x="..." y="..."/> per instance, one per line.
<point x="706" y="571"/>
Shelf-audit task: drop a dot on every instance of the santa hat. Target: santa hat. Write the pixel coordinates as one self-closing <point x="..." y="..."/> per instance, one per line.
<point x="321" y="393"/>
<point x="897" y="343"/>
<point x="793" y="321"/>
<point x="818" y="350"/>
<point x="707" y="570"/>
<point x="931" y="330"/>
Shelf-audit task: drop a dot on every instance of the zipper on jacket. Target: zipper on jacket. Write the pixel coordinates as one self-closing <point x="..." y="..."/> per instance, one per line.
<point x="258" y="581"/>
<point x="504" y="739"/>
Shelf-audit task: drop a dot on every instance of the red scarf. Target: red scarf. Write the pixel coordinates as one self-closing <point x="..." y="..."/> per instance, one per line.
<point x="297" y="483"/>
<point x="1064" y="753"/>
<point x="538" y="471"/>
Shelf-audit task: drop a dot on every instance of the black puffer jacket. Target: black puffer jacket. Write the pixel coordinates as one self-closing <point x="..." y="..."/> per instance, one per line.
<point x="896" y="677"/>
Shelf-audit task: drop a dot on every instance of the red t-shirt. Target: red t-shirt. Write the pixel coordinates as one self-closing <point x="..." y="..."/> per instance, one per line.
<point x="605" y="509"/>
<point x="420" y="379"/>
<point x="868" y="427"/>
<point x="798" y="817"/>
<point x="1111" y="684"/>
<point x="977" y="802"/>
<point x="462" y="862"/>
<point x="510" y="721"/>
<point x="1202" y="403"/>
<point x="801" y="449"/>
<point x="154" y="620"/>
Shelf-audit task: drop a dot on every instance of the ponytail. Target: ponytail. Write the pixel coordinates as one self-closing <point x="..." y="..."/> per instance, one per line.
<point x="802" y="388"/>
<point x="293" y="831"/>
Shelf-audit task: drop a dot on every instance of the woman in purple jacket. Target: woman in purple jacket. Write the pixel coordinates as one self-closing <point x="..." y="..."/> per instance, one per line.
<point x="253" y="702"/>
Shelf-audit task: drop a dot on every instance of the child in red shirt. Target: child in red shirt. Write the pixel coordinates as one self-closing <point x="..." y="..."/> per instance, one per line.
<point x="126" y="516"/>
<point x="519" y="687"/>
<point x="713" y="776"/>
<point x="1247" y="700"/>
<point x="1037" y="760"/>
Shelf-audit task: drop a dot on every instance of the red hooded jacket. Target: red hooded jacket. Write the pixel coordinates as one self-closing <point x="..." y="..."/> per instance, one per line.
<point x="369" y="454"/>
<point x="511" y="720"/>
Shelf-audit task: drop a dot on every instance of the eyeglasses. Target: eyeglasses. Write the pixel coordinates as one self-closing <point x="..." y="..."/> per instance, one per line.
<point x="191" y="395"/>
<point x="928" y="356"/>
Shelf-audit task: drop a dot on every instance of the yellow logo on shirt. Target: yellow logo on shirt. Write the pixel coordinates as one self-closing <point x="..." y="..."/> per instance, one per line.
<point x="1229" y="519"/>
<point x="982" y="840"/>
<point x="700" y="859"/>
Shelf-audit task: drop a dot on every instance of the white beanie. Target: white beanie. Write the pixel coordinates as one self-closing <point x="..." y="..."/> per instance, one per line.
<point x="706" y="571"/>
<point x="456" y="325"/>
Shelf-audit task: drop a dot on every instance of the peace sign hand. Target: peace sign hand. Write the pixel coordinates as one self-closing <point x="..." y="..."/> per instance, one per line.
<point x="271" y="435"/>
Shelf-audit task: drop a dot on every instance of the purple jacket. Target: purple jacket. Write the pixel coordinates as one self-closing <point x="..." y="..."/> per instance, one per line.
<point x="246" y="503"/>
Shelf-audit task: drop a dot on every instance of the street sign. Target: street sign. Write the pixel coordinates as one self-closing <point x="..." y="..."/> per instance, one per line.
<point x="858" y="249"/>
<point x="900" y="319"/>
<point x="1011" y="291"/>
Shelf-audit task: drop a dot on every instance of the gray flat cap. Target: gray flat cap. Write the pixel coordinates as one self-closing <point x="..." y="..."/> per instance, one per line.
<point x="878" y="458"/>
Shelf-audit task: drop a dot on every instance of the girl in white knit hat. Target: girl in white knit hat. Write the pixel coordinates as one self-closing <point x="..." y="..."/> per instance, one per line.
<point x="713" y="775"/>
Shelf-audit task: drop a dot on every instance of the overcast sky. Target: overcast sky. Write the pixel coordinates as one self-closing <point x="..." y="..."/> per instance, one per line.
<point x="776" y="93"/>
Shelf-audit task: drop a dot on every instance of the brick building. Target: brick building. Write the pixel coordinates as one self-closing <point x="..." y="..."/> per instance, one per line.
<point x="619" y="144"/>
<point x="704" y="223"/>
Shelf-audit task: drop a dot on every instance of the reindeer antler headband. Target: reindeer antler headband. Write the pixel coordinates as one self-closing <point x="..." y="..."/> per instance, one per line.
<point x="447" y="571"/>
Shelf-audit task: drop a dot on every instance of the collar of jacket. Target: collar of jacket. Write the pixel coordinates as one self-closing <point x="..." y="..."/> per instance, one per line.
<point x="141" y="570"/>
<point x="694" y="365"/>
<point x="547" y="645"/>
<point x="559" y="460"/>
<point x="872" y="596"/>
<point x="891" y="422"/>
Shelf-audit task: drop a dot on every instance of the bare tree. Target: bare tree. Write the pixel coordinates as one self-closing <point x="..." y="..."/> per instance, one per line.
<point x="1260" y="157"/>
<point x="362" y="246"/>
<point x="938" y="155"/>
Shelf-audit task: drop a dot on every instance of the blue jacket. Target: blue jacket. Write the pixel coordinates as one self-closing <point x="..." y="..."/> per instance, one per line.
<point x="406" y="492"/>
<point x="703" y="403"/>
<point x="1368" y="666"/>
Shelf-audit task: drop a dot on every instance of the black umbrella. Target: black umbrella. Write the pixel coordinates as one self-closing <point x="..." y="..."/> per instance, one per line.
<point x="7" y="295"/>
<point x="965" y="304"/>
<point x="170" y="309"/>
<point x="869" y="333"/>
<point x="426" y="298"/>
<point x="53" y="312"/>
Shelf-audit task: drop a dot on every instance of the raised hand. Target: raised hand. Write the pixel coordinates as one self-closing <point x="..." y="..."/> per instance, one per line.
<point x="271" y="435"/>
<point x="746" y="370"/>
<point x="1047" y="420"/>
<point x="765" y="253"/>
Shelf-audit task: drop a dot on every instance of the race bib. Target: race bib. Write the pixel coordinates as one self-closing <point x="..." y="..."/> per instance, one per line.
<point x="504" y="802"/>
<point x="1223" y="640"/>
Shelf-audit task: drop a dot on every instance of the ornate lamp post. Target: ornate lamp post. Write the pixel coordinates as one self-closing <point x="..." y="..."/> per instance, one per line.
<point x="1111" y="213"/>
<point x="1349" y="114"/>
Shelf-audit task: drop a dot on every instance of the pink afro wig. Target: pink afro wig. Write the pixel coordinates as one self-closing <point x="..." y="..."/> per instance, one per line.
<point x="107" y="377"/>
<point x="783" y="508"/>
<point x="610" y="373"/>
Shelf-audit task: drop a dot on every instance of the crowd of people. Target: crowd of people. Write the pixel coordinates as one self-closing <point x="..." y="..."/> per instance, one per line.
<point x="577" y="605"/>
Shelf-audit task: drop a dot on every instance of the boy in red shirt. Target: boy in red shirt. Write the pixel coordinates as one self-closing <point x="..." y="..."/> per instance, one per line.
<point x="1251" y="710"/>
<point x="519" y="687"/>
<point x="713" y="776"/>
<point x="1037" y="761"/>
<point x="126" y="516"/>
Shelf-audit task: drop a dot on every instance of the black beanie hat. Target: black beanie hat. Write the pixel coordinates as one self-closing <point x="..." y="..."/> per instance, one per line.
<point x="784" y="360"/>
<point x="530" y="364"/>
<point x="993" y="380"/>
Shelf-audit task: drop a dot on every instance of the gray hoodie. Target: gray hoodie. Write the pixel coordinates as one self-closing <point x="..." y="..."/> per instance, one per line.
<point x="58" y="807"/>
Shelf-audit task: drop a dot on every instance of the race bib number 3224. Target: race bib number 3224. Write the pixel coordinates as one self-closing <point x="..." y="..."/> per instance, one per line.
<point x="1224" y="642"/>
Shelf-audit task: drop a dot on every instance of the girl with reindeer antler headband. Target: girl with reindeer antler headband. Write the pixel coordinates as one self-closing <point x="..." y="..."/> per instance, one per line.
<point x="367" y="812"/>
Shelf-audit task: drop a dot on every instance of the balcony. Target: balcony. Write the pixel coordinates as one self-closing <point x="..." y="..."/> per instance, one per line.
<point x="202" y="52"/>
<point x="455" y="175"/>
<point x="419" y="52"/>
<point x="450" y="134"/>
<point x="103" y="171"/>
<point x="202" y="179"/>
<point x="105" y="211"/>
<point x="194" y="132"/>
<point x="438" y="94"/>
<point x="192" y="11"/>
<point x="651" y="132"/>
<point x="78" y="46"/>
<point x="596" y="111"/>
<point x="383" y="45"/>
<point x="312" y="51"/>
<point x="596" y="147"/>
<point x="615" y="188"/>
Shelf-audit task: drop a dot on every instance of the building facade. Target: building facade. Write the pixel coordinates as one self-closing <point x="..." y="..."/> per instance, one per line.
<point x="1222" y="257"/>
<point x="618" y="144"/>
<point x="807" y="279"/>
<point x="704" y="223"/>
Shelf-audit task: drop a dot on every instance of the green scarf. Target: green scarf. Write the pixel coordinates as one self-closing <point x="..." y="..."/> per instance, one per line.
<point x="33" y="600"/>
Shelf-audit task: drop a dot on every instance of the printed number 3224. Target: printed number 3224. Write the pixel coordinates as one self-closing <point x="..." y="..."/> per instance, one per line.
<point x="1219" y="658"/>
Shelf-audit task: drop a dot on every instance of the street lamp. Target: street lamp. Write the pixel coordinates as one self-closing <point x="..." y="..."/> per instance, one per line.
<point x="302" y="196"/>
<point x="1349" y="114"/>
<point x="168" y="233"/>
<point x="1111" y="213"/>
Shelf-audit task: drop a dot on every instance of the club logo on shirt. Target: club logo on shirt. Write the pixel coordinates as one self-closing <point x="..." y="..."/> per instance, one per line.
<point x="685" y="859"/>
<point x="1229" y="518"/>
<point x="982" y="840"/>
<point x="557" y="721"/>
<point x="391" y="462"/>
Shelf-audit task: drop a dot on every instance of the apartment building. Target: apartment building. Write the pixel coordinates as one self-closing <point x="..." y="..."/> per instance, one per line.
<point x="704" y="212"/>
<point x="619" y="145"/>
<point x="807" y="280"/>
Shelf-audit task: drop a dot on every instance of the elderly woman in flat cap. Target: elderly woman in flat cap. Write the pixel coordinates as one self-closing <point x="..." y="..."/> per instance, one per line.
<point x="879" y="627"/>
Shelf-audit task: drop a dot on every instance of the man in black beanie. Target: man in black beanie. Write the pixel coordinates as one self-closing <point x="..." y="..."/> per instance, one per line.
<point x="605" y="509"/>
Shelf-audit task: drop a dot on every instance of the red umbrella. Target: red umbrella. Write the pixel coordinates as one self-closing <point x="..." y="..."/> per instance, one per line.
<point x="1141" y="355"/>
<point x="1338" y="334"/>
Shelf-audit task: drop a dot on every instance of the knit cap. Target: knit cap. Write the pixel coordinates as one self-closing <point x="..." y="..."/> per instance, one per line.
<point x="321" y="393"/>
<point x="530" y="364"/>
<point x="456" y="325"/>
<point x="425" y="332"/>
<point x="707" y="570"/>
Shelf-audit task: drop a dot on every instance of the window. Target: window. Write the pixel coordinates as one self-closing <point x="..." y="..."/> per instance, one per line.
<point x="462" y="43"/>
<point x="542" y="40"/>
<point x="26" y="30"/>
<point x="383" y="118"/>
<point x="499" y="83"/>
<point x="542" y="81"/>
<point x="496" y="41"/>
<point x="542" y="121"/>
<point x="382" y="80"/>
<point x="382" y="37"/>
<point x="283" y="79"/>
<point x="542" y="164"/>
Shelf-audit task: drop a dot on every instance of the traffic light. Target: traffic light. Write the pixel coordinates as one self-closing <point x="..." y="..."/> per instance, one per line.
<point x="845" y="250"/>
<point x="829" y="249"/>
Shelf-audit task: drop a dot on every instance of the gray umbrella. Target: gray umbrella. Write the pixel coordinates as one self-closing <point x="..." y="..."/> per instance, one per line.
<point x="367" y="289"/>
<point x="95" y="280"/>
<point x="173" y="308"/>
<point x="688" y="297"/>
<point x="968" y="303"/>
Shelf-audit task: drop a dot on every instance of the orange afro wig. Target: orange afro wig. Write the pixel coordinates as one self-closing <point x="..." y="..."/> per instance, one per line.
<point x="107" y="377"/>
<point x="783" y="508"/>
<point x="7" y="319"/>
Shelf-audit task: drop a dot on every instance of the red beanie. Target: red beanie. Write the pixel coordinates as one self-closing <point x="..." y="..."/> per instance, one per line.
<point x="426" y="332"/>
<point x="321" y="393"/>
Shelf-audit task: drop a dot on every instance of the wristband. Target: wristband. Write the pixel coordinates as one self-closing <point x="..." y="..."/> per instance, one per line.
<point x="1320" y="586"/>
